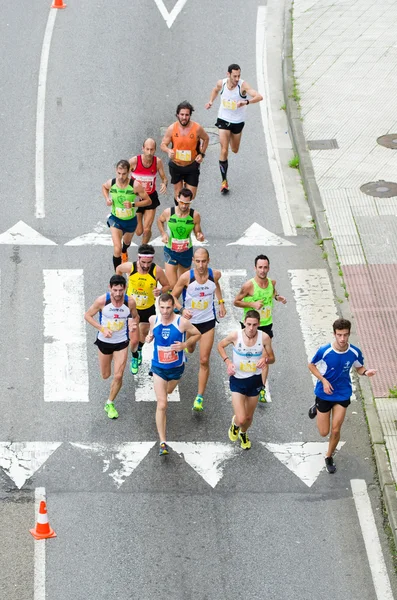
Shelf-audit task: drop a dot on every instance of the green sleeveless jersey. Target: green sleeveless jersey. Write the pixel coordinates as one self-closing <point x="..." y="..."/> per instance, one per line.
<point x="179" y="231"/>
<point x="266" y="295"/>
<point x="121" y="195"/>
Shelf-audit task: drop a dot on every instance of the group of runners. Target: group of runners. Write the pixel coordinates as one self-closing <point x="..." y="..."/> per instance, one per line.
<point x="177" y="307"/>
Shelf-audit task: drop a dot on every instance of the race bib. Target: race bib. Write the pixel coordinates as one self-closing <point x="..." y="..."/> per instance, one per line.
<point x="229" y="104"/>
<point x="248" y="367"/>
<point x="123" y="213"/>
<point x="115" y="325"/>
<point x="200" y="304"/>
<point x="146" y="182"/>
<point x="265" y="312"/>
<point x="140" y="300"/>
<point x="180" y="245"/>
<point x="184" y="155"/>
<point x="166" y="355"/>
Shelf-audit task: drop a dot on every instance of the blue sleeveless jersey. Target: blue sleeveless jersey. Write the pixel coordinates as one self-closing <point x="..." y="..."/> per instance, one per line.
<point x="164" y="337"/>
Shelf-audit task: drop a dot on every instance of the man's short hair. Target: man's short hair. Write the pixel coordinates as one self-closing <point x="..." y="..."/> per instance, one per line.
<point x="166" y="297"/>
<point x="233" y="67"/>
<point x="261" y="257"/>
<point x="252" y="314"/>
<point x="340" y="324"/>
<point x="146" y="249"/>
<point x="201" y="248"/>
<point x="124" y="164"/>
<point x="186" y="193"/>
<point x="117" y="280"/>
<point x="184" y="104"/>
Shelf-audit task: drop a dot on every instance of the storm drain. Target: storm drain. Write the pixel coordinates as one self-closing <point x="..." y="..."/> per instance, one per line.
<point x="380" y="189"/>
<point x="388" y="141"/>
<point x="322" y="144"/>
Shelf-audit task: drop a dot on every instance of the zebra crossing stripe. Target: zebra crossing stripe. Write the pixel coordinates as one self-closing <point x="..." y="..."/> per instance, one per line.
<point x="65" y="344"/>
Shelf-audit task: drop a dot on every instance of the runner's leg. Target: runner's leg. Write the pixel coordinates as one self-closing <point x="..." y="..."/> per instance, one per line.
<point x="235" y="139"/>
<point x="205" y="345"/>
<point x="250" y="406"/>
<point x="148" y="218"/>
<point x="338" y="416"/>
<point x="139" y="225"/>
<point x="120" y="360"/>
<point x="160" y="389"/>
<point x="117" y="236"/>
<point x="105" y="364"/>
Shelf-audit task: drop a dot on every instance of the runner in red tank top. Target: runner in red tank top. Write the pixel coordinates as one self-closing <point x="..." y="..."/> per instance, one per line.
<point x="144" y="169"/>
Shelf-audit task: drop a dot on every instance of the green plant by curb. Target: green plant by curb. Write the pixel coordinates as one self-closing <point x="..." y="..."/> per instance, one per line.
<point x="294" y="162"/>
<point x="393" y="392"/>
<point x="283" y="107"/>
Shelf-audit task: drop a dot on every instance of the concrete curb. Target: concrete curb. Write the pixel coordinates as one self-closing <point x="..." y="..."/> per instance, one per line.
<point x="386" y="480"/>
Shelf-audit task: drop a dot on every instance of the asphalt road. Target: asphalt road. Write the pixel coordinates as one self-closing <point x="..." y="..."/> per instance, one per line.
<point x="116" y="73"/>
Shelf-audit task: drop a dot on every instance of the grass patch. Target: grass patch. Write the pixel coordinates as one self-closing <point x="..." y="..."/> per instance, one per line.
<point x="294" y="162"/>
<point x="393" y="392"/>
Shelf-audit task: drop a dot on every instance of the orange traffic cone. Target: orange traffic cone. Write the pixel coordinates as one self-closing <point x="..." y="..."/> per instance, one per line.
<point x="58" y="4"/>
<point x="43" y="529"/>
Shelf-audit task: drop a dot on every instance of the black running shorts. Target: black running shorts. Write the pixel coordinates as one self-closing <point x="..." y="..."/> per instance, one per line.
<point x="232" y="127"/>
<point x="189" y="174"/>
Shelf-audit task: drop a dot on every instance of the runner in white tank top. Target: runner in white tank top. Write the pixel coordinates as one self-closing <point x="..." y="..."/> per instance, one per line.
<point x="199" y="287"/>
<point x="235" y="95"/>
<point x="252" y="353"/>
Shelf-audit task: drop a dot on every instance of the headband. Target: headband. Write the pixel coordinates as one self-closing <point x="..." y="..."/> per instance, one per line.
<point x="146" y="255"/>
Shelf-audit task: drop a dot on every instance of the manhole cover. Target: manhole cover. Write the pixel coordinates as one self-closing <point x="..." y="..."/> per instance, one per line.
<point x="380" y="189"/>
<point x="388" y="141"/>
<point x="322" y="144"/>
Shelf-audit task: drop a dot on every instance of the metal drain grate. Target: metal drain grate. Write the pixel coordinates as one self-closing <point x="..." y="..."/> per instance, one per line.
<point x="380" y="189"/>
<point x="322" y="144"/>
<point x="388" y="141"/>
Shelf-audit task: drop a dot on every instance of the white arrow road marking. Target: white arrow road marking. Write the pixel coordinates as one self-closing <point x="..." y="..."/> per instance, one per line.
<point x="256" y="235"/>
<point x="65" y="344"/>
<point x="128" y="454"/>
<point x="316" y="308"/>
<point x="304" y="459"/>
<point x="369" y="530"/>
<point x="21" y="234"/>
<point x="99" y="237"/>
<point x="157" y="241"/>
<point x="40" y="114"/>
<point x="20" y="460"/>
<point x="206" y="458"/>
<point x="169" y="18"/>
<point x="268" y="125"/>
<point x="144" y="391"/>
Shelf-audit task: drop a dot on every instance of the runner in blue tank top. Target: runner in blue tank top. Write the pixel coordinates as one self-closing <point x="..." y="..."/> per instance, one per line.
<point x="331" y="365"/>
<point x="168" y="331"/>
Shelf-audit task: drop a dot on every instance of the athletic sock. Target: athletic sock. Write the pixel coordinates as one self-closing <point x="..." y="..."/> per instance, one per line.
<point x="125" y="247"/>
<point x="140" y="346"/>
<point x="116" y="261"/>
<point x="223" y="165"/>
<point x="135" y="354"/>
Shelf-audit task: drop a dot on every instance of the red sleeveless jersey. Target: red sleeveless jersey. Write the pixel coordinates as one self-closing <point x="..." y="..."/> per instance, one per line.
<point x="146" y="176"/>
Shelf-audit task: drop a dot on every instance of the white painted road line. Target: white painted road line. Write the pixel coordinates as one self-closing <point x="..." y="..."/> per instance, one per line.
<point x="169" y="18"/>
<point x="21" y="460"/>
<point x="268" y="125"/>
<point x="39" y="552"/>
<point x="376" y="560"/>
<point x="65" y="344"/>
<point x="21" y="234"/>
<point x="40" y="114"/>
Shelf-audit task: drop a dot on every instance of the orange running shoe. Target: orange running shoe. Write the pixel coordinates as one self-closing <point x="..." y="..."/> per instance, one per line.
<point x="224" y="187"/>
<point x="124" y="257"/>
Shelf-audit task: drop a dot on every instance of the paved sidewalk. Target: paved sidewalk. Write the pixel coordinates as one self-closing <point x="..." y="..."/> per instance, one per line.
<point x="345" y="61"/>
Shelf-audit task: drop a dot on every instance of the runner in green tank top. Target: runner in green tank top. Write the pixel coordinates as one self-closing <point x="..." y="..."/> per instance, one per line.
<point x="176" y="226"/>
<point x="258" y="293"/>
<point x="120" y="193"/>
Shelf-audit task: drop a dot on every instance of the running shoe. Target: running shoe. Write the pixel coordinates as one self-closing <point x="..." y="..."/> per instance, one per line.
<point x="233" y="431"/>
<point x="139" y="358"/>
<point x="124" y="257"/>
<point x="262" y="395"/>
<point x="111" y="411"/>
<point x="224" y="187"/>
<point x="163" y="449"/>
<point x="150" y="373"/>
<point x="198" y="403"/>
<point x="312" y="412"/>
<point x="329" y="464"/>
<point x="134" y="365"/>
<point x="244" y="440"/>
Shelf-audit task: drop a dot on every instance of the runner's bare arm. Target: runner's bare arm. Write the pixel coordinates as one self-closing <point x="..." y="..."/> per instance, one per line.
<point x="162" y="278"/>
<point x="105" y="191"/>
<point x="163" y="218"/>
<point x="149" y="337"/>
<point x="247" y="290"/>
<point x="161" y="172"/>
<point x="255" y="96"/>
<point x="140" y="191"/>
<point x="218" y="294"/>
<point x="204" y="139"/>
<point x="229" y="339"/>
<point x="276" y="295"/>
<point x="124" y="268"/>
<point x="328" y="389"/>
<point x="214" y="94"/>
<point x="166" y="141"/>
<point x="92" y="311"/>
<point x="194" y="335"/>
<point x="197" y="227"/>
<point x="133" y="162"/>
<point x="268" y="353"/>
<point x="368" y="372"/>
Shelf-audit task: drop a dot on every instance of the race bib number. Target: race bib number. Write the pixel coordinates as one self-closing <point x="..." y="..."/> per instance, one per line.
<point x="115" y="325"/>
<point x="200" y="304"/>
<point x="166" y="355"/>
<point x="265" y="312"/>
<point x="123" y="213"/>
<point x="180" y="245"/>
<point x="146" y="182"/>
<point x="248" y="367"/>
<point x="140" y="300"/>
<point x="229" y="104"/>
<point x="184" y="155"/>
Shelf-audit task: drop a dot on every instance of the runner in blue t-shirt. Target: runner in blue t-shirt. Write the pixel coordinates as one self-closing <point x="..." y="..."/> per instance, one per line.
<point x="331" y="365"/>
